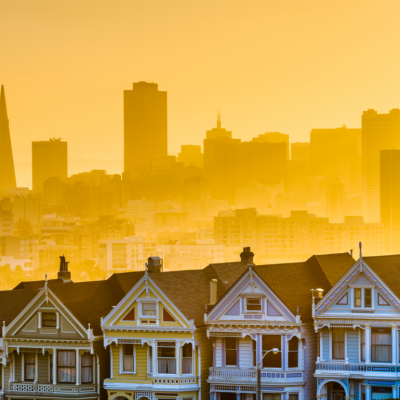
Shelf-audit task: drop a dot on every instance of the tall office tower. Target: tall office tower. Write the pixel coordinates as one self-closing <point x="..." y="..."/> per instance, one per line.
<point x="49" y="160"/>
<point x="274" y="137"/>
<point x="336" y="153"/>
<point x="301" y="152"/>
<point x="145" y="125"/>
<point x="335" y="199"/>
<point x="7" y="172"/>
<point x="379" y="132"/>
<point x="390" y="198"/>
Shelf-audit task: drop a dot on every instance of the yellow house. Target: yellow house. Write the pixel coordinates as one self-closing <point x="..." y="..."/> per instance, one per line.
<point x="154" y="345"/>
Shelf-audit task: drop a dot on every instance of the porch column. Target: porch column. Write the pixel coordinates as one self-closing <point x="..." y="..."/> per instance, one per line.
<point x="78" y="367"/>
<point x="394" y="344"/>
<point x="367" y="392"/>
<point x="394" y="392"/>
<point x="237" y="392"/>
<point x="367" y="345"/>
<point x="54" y="366"/>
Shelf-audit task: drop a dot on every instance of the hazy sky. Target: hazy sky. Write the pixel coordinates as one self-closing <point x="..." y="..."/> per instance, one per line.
<point x="279" y="65"/>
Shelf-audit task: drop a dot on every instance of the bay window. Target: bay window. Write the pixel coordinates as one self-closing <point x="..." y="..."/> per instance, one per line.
<point x="166" y="358"/>
<point x="381" y="345"/>
<point x="66" y="366"/>
<point x="230" y="352"/>
<point x="338" y="346"/>
<point x="128" y="358"/>
<point x="30" y="366"/>
<point x="187" y="358"/>
<point x="293" y="352"/>
<point x="270" y="342"/>
<point x="86" y="368"/>
<point x="150" y="359"/>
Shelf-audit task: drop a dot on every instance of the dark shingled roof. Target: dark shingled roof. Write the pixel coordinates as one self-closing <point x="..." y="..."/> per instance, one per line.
<point x="189" y="290"/>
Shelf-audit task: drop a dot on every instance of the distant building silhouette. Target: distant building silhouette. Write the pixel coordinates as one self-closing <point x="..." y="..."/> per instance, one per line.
<point x="379" y="132"/>
<point x="145" y="125"/>
<point x="191" y="155"/>
<point x="301" y="152"/>
<point x="49" y="160"/>
<point x="274" y="137"/>
<point x="336" y="153"/>
<point x="7" y="171"/>
<point x="335" y="200"/>
<point x="390" y="198"/>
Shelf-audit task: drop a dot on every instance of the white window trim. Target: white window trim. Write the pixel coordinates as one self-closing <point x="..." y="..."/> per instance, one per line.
<point x="299" y="355"/>
<point x="363" y="287"/>
<point x="193" y="359"/>
<point x="121" y="361"/>
<point x="177" y="355"/>
<point x="330" y="347"/>
<point x="150" y="300"/>
<point x="246" y="311"/>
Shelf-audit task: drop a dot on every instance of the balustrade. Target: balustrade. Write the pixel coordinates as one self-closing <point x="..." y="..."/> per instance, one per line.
<point x="330" y="367"/>
<point x="238" y="374"/>
<point x="37" y="388"/>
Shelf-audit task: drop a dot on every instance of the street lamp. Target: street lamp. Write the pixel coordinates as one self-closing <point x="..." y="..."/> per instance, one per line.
<point x="274" y="351"/>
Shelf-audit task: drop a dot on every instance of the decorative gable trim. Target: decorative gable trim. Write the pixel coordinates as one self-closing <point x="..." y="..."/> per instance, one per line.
<point x="346" y="280"/>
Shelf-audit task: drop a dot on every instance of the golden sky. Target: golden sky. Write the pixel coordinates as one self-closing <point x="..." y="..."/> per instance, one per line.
<point x="279" y="65"/>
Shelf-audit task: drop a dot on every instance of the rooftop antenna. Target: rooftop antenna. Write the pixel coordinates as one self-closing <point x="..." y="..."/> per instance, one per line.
<point x="360" y="250"/>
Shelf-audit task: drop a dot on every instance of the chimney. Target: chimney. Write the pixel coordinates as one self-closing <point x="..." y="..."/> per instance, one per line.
<point x="154" y="264"/>
<point x="213" y="291"/>
<point x="246" y="256"/>
<point x="64" y="274"/>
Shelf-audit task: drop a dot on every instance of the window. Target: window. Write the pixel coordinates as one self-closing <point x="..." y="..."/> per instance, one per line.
<point x="230" y="352"/>
<point x="293" y="352"/>
<point x="253" y="304"/>
<point x="362" y="334"/>
<point x="49" y="320"/>
<point x="150" y="359"/>
<point x="293" y="396"/>
<point x="271" y="396"/>
<point x="338" y="343"/>
<point x="166" y="358"/>
<point x="30" y="366"/>
<point x="128" y="358"/>
<point x="187" y="358"/>
<point x="66" y="366"/>
<point x="270" y="342"/>
<point x="367" y="298"/>
<point x="357" y="297"/>
<point x="381" y="345"/>
<point x="254" y="353"/>
<point x="149" y="309"/>
<point x="86" y="368"/>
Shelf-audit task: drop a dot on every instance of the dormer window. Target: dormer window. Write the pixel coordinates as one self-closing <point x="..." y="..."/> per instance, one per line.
<point x="362" y="298"/>
<point x="357" y="297"/>
<point x="253" y="304"/>
<point x="149" y="309"/>
<point x="367" y="298"/>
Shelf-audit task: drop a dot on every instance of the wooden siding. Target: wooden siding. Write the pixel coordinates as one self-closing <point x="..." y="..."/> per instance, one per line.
<point x="206" y="355"/>
<point x="245" y="353"/>
<point x="141" y="364"/>
<point x="352" y="345"/>
<point x="311" y="357"/>
<point x="218" y="353"/>
<point x="43" y="368"/>
<point x="325" y="344"/>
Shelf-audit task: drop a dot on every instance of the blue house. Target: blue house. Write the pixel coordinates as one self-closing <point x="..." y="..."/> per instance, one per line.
<point x="267" y="308"/>
<point x="358" y="322"/>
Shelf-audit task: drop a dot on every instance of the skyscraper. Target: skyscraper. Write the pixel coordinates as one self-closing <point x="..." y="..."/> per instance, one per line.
<point x="145" y="125"/>
<point x="390" y="198"/>
<point x="7" y="171"/>
<point x="49" y="160"/>
<point x="336" y="153"/>
<point x="379" y="132"/>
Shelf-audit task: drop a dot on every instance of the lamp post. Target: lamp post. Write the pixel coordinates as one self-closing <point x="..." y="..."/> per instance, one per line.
<point x="274" y="351"/>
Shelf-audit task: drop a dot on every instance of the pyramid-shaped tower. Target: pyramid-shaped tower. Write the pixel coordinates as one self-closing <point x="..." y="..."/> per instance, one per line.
<point x="7" y="171"/>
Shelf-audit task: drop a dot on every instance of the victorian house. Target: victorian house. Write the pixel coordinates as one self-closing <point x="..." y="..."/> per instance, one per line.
<point x="265" y="319"/>
<point x="358" y="322"/>
<point x="51" y="342"/>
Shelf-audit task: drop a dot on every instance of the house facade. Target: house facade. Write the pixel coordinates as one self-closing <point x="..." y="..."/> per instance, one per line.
<point x="358" y="323"/>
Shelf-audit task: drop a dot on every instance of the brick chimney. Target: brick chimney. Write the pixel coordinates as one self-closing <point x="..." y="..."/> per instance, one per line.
<point x="154" y="264"/>
<point x="246" y="256"/>
<point x="63" y="273"/>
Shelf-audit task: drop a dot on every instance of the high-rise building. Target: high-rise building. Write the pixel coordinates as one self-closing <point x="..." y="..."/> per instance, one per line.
<point x="379" y="132"/>
<point x="191" y="155"/>
<point x="390" y="198"/>
<point x="49" y="160"/>
<point x="274" y="137"/>
<point x="336" y="153"/>
<point x="7" y="172"/>
<point x="335" y="201"/>
<point x="145" y="125"/>
<point x="301" y="152"/>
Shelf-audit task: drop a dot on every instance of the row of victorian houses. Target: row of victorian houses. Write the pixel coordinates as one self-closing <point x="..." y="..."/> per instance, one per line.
<point x="200" y="334"/>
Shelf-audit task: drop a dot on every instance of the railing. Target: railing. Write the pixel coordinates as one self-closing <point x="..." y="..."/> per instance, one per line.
<point x="36" y="388"/>
<point x="330" y="367"/>
<point x="239" y="374"/>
